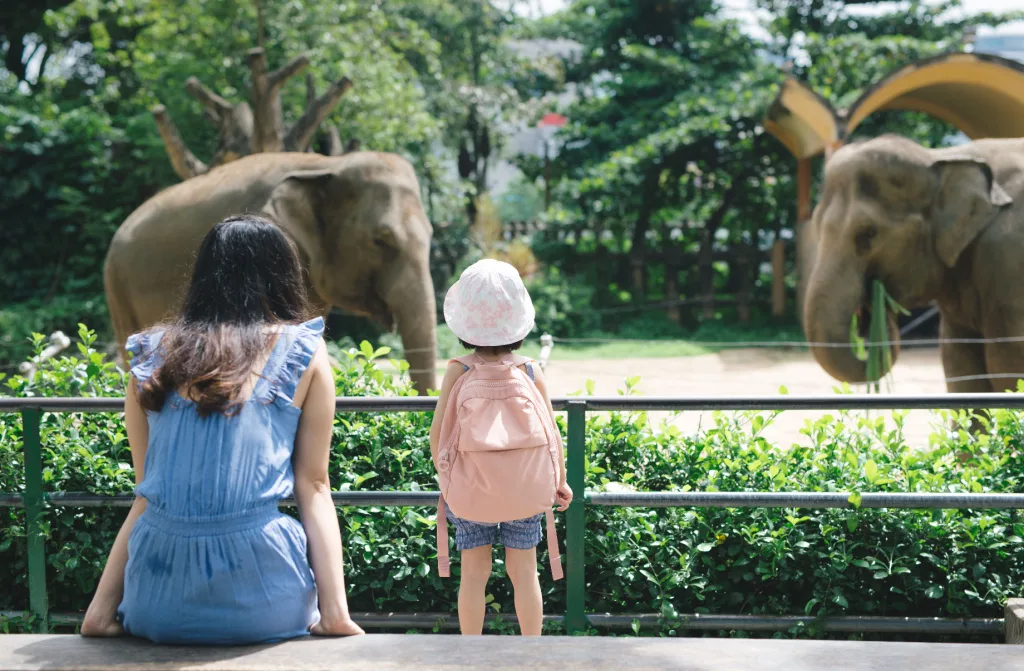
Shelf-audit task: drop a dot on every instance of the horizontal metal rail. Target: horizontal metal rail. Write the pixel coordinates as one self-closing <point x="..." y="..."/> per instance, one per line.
<point x="610" y="403"/>
<point x="688" y="621"/>
<point x="942" y="500"/>
<point x="811" y="500"/>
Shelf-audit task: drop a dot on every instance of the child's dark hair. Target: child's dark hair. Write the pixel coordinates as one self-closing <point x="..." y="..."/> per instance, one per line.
<point x="499" y="349"/>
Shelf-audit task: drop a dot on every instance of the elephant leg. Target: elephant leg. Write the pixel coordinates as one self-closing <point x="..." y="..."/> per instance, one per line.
<point x="963" y="363"/>
<point x="1005" y="362"/>
<point x="964" y="366"/>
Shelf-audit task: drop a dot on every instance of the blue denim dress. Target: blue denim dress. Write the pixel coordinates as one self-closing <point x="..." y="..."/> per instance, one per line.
<point x="213" y="560"/>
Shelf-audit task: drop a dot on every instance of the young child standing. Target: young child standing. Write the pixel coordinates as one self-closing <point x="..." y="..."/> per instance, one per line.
<point x="495" y="445"/>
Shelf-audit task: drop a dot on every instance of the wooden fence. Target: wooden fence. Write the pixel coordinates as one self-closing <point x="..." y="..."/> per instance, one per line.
<point x="697" y="290"/>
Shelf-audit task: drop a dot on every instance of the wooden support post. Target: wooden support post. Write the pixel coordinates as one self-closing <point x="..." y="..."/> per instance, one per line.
<point x="803" y="189"/>
<point x="707" y="275"/>
<point x="672" y="284"/>
<point x="744" y="269"/>
<point x="831" y="148"/>
<point x="1013" y="625"/>
<point x="801" y="230"/>
<point x="779" y="278"/>
<point x="639" y="276"/>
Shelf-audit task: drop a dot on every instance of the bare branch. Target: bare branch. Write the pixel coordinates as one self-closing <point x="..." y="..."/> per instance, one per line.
<point x="310" y="90"/>
<point x="279" y="76"/>
<point x="334" y="144"/>
<point x="215" y="106"/>
<point x="266" y="133"/>
<point x="183" y="161"/>
<point x="301" y="134"/>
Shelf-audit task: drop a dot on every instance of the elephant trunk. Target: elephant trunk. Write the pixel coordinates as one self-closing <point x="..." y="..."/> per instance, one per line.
<point x="410" y="297"/>
<point x="836" y="292"/>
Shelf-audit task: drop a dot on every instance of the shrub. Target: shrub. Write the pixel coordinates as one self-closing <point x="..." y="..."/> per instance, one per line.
<point x="670" y="560"/>
<point x="563" y="306"/>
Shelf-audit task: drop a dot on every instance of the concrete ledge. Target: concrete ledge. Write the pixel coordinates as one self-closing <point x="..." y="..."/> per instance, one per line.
<point x="444" y="653"/>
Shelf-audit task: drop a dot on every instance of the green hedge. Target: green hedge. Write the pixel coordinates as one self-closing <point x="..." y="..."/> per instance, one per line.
<point x="677" y="560"/>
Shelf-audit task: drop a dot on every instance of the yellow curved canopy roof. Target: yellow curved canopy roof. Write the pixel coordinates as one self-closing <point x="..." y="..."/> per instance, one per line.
<point x="980" y="94"/>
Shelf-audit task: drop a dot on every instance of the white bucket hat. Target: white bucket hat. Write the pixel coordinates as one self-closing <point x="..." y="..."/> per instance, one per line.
<point x="489" y="305"/>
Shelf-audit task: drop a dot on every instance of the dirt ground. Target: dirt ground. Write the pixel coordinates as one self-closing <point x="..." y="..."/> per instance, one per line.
<point x="748" y="372"/>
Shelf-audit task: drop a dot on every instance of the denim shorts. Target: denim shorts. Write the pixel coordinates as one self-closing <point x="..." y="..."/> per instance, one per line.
<point x="517" y="534"/>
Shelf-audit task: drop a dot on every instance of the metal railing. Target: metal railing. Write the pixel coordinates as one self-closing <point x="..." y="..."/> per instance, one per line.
<point x="35" y="502"/>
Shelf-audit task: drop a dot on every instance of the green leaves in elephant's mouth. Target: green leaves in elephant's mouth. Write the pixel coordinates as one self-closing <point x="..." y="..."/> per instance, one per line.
<point x="871" y="322"/>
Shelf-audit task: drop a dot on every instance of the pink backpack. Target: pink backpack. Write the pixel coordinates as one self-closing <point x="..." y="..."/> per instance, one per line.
<point x="497" y="457"/>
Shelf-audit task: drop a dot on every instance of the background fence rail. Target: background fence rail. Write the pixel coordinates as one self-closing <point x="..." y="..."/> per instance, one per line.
<point x="35" y="501"/>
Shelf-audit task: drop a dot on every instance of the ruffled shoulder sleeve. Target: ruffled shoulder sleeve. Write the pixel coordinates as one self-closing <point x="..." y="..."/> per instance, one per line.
<point x="145" y="350"/>
<point x="302" y="342"/>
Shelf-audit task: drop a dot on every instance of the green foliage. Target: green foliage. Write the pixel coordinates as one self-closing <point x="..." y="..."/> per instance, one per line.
<point x="70" y="177"/>
<point x="562" y="305"/>
<point x="81" y="150"/>
<point x="665" y="144"/>
<point x="673" y="560"/>
<point x="522" y="201"/>
<point x="932" y="21"/>
<point x="906" y="563"/>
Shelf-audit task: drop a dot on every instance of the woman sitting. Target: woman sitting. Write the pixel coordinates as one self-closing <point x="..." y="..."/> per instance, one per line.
<point x="229" y="409"/>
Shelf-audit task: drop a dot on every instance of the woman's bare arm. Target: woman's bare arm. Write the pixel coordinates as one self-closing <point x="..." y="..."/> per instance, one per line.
<point x="313" y="496"/>
<point x="101" y="617"/>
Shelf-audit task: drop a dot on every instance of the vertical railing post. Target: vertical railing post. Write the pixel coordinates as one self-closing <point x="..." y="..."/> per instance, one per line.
<point x="37" y="601"/>
<point x="575" y="617"/>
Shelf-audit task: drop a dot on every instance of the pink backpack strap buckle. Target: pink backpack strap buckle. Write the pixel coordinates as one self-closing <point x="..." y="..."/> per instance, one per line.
<point x="554" y="557"/>
<point x="443" y="561"/>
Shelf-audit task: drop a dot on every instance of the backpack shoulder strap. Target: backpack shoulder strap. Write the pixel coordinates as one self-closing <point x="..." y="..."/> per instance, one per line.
<point x="443" y="561"/>
<point x="467" y="361"/>
<point x="554" y="557"/>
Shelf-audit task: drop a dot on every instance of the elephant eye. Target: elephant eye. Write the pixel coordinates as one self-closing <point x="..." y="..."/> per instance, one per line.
<point x="868" y="187"/>
<point x="386" y="246"/>
<point x="863" y="240"/>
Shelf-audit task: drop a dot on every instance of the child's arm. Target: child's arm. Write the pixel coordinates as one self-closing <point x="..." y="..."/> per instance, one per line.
<point x="451" y="376"/>
<point x="313" y="496"/>
<point x="101" y="617"/>
<point x="564" y="491"/>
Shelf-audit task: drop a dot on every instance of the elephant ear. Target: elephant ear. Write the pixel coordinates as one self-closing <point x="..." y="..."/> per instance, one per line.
<point x="295" y="205"/>
<point x="967" y="199"/>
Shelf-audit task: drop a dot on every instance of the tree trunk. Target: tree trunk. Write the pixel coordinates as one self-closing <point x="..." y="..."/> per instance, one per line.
<point x="672" y="283"/>
<point x="638" y="249"/>
<point x="707" y="277"/>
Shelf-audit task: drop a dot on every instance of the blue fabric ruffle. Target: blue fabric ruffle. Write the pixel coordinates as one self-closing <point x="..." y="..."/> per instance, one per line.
<point x="145" y="353"/>
<point x="305" y="338"/>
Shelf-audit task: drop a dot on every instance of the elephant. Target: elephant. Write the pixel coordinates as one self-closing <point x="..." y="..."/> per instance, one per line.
<point x="357" y="220"/>
<point x="942" y="226"/>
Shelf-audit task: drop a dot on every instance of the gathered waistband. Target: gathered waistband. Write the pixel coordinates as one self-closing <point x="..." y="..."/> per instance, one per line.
<point x="207" y="525"/>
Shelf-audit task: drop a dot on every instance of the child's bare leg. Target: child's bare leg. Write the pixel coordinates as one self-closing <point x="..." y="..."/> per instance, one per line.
<point x="476" y="571"/>
<point x="522" y="570"/>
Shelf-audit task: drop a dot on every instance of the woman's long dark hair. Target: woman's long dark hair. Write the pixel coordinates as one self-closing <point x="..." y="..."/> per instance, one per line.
<point x="247" y="276"/>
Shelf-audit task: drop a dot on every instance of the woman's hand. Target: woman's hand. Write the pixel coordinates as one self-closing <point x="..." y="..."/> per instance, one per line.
<point x="341" y="625"/>
<point x="563" y="497"/>
<point x="101" y="622"/>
